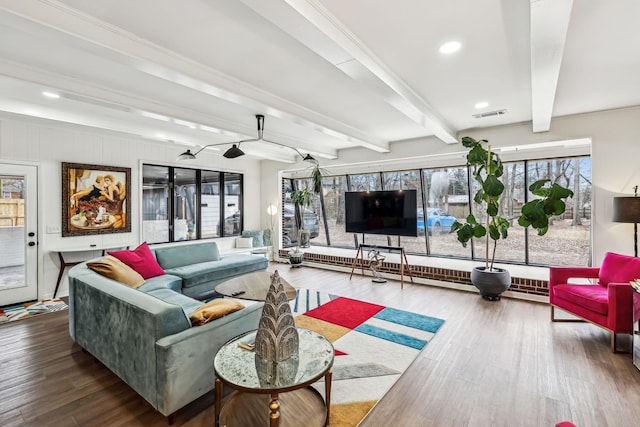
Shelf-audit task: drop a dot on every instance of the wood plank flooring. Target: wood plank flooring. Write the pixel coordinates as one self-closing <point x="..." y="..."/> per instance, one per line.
<point x="491" y="364"/>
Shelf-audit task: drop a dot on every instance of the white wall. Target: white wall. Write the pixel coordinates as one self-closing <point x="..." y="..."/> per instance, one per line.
<point x="615" y="152"/>
<point x="48" y="144"/>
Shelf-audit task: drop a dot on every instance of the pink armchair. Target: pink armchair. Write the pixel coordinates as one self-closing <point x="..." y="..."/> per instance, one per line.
<point x="607" y="303"/>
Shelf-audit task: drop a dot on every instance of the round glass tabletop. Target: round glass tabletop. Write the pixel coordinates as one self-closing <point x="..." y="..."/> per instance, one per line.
<point x="244" y="369"/>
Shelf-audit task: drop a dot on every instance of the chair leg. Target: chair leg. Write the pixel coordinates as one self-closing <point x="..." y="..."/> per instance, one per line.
<point x="613" y="342"/>
<point x="553" y="317"/>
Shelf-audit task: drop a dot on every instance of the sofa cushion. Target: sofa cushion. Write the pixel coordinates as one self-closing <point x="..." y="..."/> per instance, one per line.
<point x="618" y="268"/>
<point x="215" y="271"/>
<point x="184" y="255"/>
<point x="214" y="310"/>
<point x="258" y="236"/>
<point x="591" y="297"/>
<point x="166" y="281"/>
<point x="244" y="242"/>
<point x="141" y="260"/>
<point x="266" y="238"/>
<point x="189" y="305"/>
<point x="117" y="270"/>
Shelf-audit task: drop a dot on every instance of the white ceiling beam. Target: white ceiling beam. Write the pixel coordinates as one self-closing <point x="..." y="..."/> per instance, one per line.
<point x="549" y="26"/>
<point x="163" y="63"/>
<point x="91" y="93"/>
<point x="404" y="98"/>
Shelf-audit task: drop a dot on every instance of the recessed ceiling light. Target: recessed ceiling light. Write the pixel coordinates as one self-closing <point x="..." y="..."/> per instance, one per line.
<point x="482" y="104"/>
<point x="51" y="95"/>
<point x="450" y="47"/>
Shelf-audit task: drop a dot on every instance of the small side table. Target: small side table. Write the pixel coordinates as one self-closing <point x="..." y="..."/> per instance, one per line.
<point x="280" y="390"/>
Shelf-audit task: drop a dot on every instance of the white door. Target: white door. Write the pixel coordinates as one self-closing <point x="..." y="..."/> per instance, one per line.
<point x="18" y="233"/>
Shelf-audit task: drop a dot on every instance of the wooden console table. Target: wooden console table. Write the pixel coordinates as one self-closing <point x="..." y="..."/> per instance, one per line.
<point x="64" y="264"/>
<point x="404" y="263"/>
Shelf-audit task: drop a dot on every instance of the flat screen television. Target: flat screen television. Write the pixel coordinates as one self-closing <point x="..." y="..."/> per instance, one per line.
<point x="392" y="213"/>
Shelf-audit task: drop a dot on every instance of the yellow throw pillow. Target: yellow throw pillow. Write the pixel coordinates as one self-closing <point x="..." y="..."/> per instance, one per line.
<point x="117" y="270"/>
<point x="213" y="310"/>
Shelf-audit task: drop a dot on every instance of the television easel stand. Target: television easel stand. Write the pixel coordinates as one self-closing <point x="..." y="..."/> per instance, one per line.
<point x="404" y="263"/>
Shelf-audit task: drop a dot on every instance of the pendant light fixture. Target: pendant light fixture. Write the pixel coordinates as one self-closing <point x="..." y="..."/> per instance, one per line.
<point x="235" y="150"/>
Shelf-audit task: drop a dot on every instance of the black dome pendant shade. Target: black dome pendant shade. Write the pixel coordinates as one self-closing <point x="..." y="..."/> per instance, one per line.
<point x="233" y="152"/>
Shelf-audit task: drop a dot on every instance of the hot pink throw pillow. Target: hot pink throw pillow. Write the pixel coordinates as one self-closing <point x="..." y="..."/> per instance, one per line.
<point x="618" y="268"/>
<point x="141" y="260"/>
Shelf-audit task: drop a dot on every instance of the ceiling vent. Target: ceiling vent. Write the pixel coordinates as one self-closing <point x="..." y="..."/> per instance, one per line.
<point x="490" y="114"/>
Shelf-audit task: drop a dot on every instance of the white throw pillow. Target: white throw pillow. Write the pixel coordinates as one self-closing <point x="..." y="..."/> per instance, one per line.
<point x="244" y="242"/>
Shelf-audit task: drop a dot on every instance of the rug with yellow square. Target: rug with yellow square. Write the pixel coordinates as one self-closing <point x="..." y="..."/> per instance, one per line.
<point x="373" y="346"/>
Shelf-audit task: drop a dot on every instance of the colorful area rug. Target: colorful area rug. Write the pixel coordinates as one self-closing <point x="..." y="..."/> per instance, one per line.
<point x="373" y="346"/>
<point x="15" y="312"/>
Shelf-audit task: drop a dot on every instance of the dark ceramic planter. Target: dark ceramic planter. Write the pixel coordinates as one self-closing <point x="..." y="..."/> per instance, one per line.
<point x="296" y="259"/>
<point x="491" y="283"/>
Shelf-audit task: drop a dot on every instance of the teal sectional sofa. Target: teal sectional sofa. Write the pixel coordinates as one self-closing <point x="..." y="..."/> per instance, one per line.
<point x="144" y="335"/>
<point x="201" y="267"/>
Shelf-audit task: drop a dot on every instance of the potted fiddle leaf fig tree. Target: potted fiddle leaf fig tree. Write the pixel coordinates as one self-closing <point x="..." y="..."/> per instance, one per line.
<point x="302" y="199"/>
<point x="486" y="169"/>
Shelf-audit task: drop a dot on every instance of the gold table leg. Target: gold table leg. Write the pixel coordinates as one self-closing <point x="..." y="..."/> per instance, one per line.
<point x="274" y="405"/>
<point x="327" y="394"/>
<point x="218" y="401"/>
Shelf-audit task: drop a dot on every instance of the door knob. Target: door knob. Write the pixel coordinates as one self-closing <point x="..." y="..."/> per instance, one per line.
<point x="32" y="243"/>
<point x="31" y="234"/>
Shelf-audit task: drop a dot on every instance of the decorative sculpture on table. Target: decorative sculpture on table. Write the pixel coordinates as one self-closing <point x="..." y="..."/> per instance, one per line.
<point x="277" y="340"/>
<point x="277" y="336"/>
<point x="375" y="260"/>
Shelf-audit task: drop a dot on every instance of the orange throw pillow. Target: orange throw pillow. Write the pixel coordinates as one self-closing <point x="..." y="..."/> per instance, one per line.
<point x="117" y="270"/>
<point x="214" y="310"/>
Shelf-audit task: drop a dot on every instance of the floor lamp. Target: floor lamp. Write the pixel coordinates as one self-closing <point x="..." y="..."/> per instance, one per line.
<point x="627" y="209"/>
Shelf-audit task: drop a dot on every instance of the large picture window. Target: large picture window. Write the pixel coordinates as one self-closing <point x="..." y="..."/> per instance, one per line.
<point x="446" y="200"/>
<point x="188" y="204"/>
<point x="445" y="195"/>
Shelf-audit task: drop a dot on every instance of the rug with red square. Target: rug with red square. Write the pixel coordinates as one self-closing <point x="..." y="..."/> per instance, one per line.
<point x="373" y="345"/>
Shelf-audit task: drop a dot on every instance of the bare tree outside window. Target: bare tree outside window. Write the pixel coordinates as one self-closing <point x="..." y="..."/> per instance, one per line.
<point x="444" y="196"/>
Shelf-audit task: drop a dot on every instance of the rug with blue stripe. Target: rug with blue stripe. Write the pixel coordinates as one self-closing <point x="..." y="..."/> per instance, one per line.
<point x="373" y="344"/>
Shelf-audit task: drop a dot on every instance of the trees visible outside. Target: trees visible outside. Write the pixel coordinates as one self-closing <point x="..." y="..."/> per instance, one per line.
<point x="567" y="242"/>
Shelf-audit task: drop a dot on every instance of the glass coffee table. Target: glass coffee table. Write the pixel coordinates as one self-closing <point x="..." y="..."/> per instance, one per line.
<point x="252" y="286"/>
<point x="278" y="392"/>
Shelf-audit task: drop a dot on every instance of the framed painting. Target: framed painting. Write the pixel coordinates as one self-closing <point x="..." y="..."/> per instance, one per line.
<point x="95" y="199"/>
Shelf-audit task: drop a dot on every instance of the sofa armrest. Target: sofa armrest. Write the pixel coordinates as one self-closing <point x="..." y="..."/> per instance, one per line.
<point x="95" y="300"/>
<point x="620" y="316"/>
<point x="561" y="275"/>
<point x="185" y="360"/>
